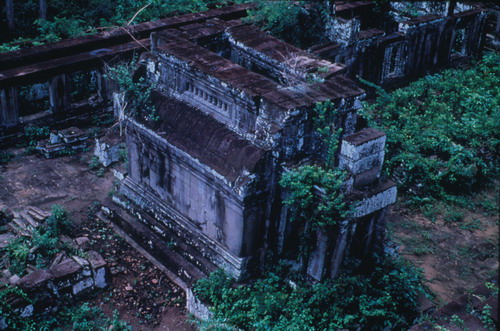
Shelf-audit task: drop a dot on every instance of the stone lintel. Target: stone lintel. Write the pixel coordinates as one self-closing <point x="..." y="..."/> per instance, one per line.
<point x="379" y="197"/>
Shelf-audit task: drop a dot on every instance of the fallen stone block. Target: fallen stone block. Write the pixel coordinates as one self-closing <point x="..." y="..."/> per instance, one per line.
<point x="36" y="279"/>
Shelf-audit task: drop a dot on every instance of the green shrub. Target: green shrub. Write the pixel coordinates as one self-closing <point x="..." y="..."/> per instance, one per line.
<point x="443" y="131"/>
<point x="298" y="22"/>
<point x="321" y="207"/>
<point x="387" y="297"/>
<point x="34" y="134"/>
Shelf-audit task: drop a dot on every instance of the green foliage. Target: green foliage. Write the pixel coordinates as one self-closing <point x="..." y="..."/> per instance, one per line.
<point x="61" y="28"/>
<point x="18" y="251"/>
<point x="486" y="317"/>
<point x="324" y="119"/>
<point x="137" y="92"/>
<point x="298" y="22"/>
<point x="58" y="222"/>
<point x="315" y="195"/>
<point x="472" y="225"/>
<point x="5" y="157"/>
<point x="73" y="18"/>
<point x="385" y="298"/>
<point x="34" y="134"/>
<point x="79" y="318"/>
<point x="10" y="317"/>
<point x="43" y="244"/>
<point x="443" y="131"/>
<point x="454" y="216"/>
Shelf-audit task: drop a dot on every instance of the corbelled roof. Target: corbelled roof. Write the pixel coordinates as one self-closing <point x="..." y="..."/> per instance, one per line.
<point x="204" y="138"/>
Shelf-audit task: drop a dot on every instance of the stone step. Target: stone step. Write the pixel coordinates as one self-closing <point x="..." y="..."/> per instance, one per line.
<point x="16" y="229"/>
<point x="29" y="219"/>
<point x="38" y="211"/>
<point x="22" y="224"/>
<point x="158" y="248"/>
<point x="37" y="217"/>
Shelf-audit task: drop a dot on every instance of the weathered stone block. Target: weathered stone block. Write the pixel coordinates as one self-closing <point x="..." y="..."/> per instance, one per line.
<point x="358" y="166"/>
<point x="196" y="307"/>
<point x="106" y="153"/>
<point x="82" y="285"/>
<point x="9" y="107"/>
<point x="36" y="279"/>
<point x="362" y="144"/>
<point x="65" y="273"/>
<point x="383" y="195"/>
<point x="99" y="271"/>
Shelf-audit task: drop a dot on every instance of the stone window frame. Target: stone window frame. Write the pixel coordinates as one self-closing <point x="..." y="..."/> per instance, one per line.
<point x="393" y="55"/>
<point x="459" y="33"/>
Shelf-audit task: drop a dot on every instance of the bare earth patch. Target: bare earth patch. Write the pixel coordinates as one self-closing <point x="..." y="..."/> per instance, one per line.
<point x="139" y="291"/>
<point x="455" y="255"/>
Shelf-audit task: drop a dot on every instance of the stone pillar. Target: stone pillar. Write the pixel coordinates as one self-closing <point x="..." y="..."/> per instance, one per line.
<point x="380" y="232"/>
<point x="317" y="259"/>
<point x="105" y="85"/>
<point x="9" y="11"/>
<point x="9" y="107"/>
<point x="59" y="93"/>
<point x="338" y="253"/>
<point x="362" y="154"/>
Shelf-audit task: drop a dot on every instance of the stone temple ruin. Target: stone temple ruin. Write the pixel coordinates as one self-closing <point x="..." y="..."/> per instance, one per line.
<point x="235" y="108"/>
<point x="207" y="172"/>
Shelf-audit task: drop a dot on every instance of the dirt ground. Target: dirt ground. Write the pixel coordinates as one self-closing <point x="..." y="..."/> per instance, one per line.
<point x="455" y="255"/>
<point x="139" y="291"/>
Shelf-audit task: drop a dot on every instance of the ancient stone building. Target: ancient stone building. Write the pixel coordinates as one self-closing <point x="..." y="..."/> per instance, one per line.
<point x="235" y="111"/>
<point x="404" y="40"/>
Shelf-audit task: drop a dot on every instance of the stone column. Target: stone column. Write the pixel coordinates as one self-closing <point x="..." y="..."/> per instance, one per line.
<point x="362" y="154"/>
<point x="59" y="93"/>
<point x="317" y="258"/>
<point x="9" y="108"/>
<point x="338" y="253"/>
<point x="9" y="11"/>
<point x="106" y="86"/>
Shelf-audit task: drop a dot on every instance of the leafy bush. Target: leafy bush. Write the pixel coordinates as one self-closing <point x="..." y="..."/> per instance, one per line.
<point x="72" y="18"/>
<point x="315" y="195"/>
<point x="43" y="244"/>
<point x="137" y="91"/>
<point x="296" y="22"/>
<point x="35" y="133"/>
<point x="443" y="131"/>
<point x="385" y="298"/>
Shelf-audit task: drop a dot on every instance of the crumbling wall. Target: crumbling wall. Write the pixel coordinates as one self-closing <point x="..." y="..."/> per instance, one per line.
<point x="67" y="278"/>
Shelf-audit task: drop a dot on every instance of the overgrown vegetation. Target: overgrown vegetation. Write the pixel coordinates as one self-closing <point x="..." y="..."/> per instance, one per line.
<point x="314" y="193"/>
<point x="136" y="91"/>
<point x="43" y="244"/>
<point x="82" y="317"/>
<point x="300" y="23"/>
<point x="387" y="297"/>
<point x="443" y="132"/>
<point x="297" y="22"/>
<point x="72" y="18"/>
